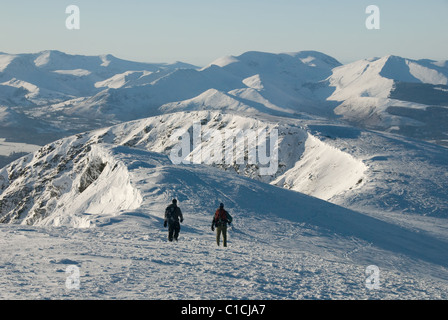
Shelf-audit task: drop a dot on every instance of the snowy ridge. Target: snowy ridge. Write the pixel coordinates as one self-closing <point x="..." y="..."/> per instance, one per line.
<point x="367" y="169"/>
<point x="377" y="177"/>
<point x="393" y="94"/>
<point x="283" y="245"/>
<point x="55" y="172"/>
<point x="293" y="146"/>
<point x="311" y="175"/>
<point x="376" y="77"/>
<point x="111" y="194"/>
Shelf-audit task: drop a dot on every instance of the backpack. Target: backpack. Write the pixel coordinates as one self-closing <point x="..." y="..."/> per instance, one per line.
<point x="222" y="216"/>
<point x="170" y="213"/>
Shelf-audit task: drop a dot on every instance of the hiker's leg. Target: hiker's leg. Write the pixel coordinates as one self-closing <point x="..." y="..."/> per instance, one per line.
<point x="170" y="232"/>
<point x="224" y="235"/>
<point x="176" y="231"/>
<point x="218" y="234"/>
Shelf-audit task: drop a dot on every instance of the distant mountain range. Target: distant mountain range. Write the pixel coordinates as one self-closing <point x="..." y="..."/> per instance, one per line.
<point x="49" y="95"/>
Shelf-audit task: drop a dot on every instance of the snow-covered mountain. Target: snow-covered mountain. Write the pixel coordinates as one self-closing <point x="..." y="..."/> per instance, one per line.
<point x="113" y="184"/>
<point x="394" y="94"/>
<point x="297" y="153"/>
<point x="38" y="88"/>
<point x="311" y="212"/>
<point x="288" y="92"/>
<point x="56" y="76"/>
<point x="77" y="93"/>
<point x="363" y="170"/>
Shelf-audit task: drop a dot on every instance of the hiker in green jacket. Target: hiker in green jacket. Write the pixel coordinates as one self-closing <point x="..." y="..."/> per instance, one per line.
<point x="220" y="221"/>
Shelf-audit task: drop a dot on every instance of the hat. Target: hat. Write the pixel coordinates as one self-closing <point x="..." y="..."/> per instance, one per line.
<point x="221" y="205"/>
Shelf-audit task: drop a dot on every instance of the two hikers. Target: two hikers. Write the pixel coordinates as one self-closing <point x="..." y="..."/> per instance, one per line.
<point x="220" y="221"/>
<point x="173" y="218"/>
<point x="173" y="215"/>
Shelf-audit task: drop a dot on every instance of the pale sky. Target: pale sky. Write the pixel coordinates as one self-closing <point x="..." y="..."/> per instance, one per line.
<point x="200" y="31"/>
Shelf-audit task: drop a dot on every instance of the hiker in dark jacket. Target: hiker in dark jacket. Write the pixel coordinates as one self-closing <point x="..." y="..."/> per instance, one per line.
<point x="220" y="221"/>
<point x="173" y="215"/>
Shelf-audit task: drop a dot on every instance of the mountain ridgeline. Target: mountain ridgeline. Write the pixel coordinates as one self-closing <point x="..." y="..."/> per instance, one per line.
<point x="57" y="94"/>
<point x="322" y="111"/>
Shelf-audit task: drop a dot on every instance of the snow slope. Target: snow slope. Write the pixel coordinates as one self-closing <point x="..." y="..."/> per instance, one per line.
<point x="405" y="176"/>
<point x="394" y="94"/>
<point x="283" y="245"/>
<point x="96" y="200"/>
<point x="376" y="77"/>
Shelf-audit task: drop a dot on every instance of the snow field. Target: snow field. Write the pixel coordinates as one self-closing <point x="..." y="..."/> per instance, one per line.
<point x="283" y="245"/>
<point x="128" y="257"/>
